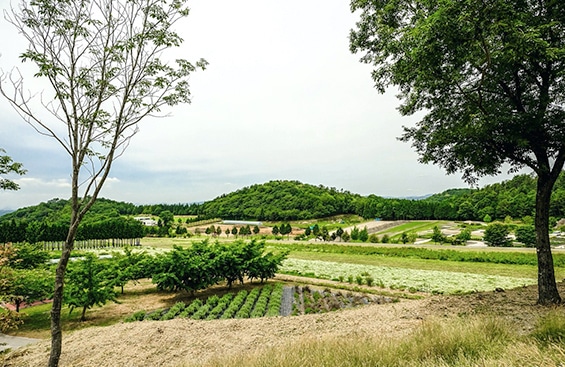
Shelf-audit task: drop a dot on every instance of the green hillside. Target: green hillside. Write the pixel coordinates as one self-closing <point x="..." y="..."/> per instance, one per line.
<point x="281" y="200"/>
<point x="58" y="211"/>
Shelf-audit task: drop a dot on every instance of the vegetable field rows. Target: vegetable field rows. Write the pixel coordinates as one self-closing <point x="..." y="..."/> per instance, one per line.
<point x="263" y="301"/>
<point x="260" y="302"/>
<point x="307" y="300"/>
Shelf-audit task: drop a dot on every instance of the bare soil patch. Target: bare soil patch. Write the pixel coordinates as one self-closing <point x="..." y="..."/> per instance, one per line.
<point x="181" y="342"/>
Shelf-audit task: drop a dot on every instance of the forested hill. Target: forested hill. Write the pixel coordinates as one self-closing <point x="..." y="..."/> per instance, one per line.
<point x="281" y="200"/>
<point x="58" y="211"/>
<point x="293" y="200"/>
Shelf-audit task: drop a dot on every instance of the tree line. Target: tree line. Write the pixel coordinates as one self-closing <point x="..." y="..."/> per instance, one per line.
<point x="49" y="234"/>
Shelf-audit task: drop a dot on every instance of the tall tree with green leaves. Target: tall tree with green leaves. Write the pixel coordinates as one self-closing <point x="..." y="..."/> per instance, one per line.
<point x="88" y="285"/>
<point x="103" y="60"/>
<point x="489" y="77"/>
<point x="8" y="166"/>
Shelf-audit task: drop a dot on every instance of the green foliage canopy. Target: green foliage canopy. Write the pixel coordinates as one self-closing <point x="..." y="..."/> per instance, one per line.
<point x="496" y="235"/>
<point x="203" y="265"/>
<point x="7" y="166"/>
<point x="489" y="75"/>
<point x="88" y="284"/>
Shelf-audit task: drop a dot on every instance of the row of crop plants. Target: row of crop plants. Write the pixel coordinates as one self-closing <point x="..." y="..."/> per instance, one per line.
<point x="308" y="300"/>
<point x="259" y="302"/>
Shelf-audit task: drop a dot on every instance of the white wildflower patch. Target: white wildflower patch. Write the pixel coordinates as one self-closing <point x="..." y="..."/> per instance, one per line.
<point x="431" y="281"/>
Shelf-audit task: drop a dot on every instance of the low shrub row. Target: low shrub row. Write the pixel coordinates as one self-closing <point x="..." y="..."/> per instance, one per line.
<point x="274" y="305"/>
<point x="245" y="310"/>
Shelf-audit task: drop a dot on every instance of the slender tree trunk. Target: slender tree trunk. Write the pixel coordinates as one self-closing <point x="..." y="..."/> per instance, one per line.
<point x="83" y="316"/>
<point x="547" y="287"/>
<point x="56" y="332"/>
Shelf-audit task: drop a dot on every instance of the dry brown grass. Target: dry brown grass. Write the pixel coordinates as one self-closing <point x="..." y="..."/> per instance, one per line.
<point x="182" y="342"/>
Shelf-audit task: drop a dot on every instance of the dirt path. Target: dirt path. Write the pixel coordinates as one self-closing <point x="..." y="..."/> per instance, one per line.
<point x="286" y="302"/>
<point x="14" y="342"/>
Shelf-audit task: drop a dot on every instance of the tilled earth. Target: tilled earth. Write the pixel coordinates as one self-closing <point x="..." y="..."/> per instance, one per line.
<point x="181" y="341"/>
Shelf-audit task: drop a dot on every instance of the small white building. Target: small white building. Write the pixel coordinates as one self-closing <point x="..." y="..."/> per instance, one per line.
<point x="147" y="221"/>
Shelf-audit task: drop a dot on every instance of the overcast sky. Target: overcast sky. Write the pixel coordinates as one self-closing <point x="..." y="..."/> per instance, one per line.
<point x="282" y="98"/>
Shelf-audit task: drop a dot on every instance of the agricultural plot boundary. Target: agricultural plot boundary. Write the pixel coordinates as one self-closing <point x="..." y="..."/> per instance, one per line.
<point x="413" y="280"/>
<point x="266" y="301"/>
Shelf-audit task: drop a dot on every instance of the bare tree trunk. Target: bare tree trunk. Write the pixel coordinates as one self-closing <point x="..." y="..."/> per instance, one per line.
<point x="76" y="217"/>
<point x="56" y="333"/>
<point x="547" y="287"/>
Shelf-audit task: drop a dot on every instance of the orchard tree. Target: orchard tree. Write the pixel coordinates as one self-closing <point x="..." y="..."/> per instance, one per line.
<point x="488" y="76"/>
<point x="364" y="234"/>
<point x="464" y="236"/>
<point x="355" y="234"/>
<point x="29" y="256"/>
<point x="128" y="266"/>
<point x="8" y="319"/>
<point x="285" y="229"/>
<point x="438" y="236"/>
<point x="404" y="238"/>
<point x="526" y="234"/>
<point x="7" y="166"/>
<point x="29" y="285"/>
<point x="339" y="233"/>
<point x="167" y="218"/>
<point x="88" y="285"/>
<point x="496" y="235"/>
<point x="102" y="60"/>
